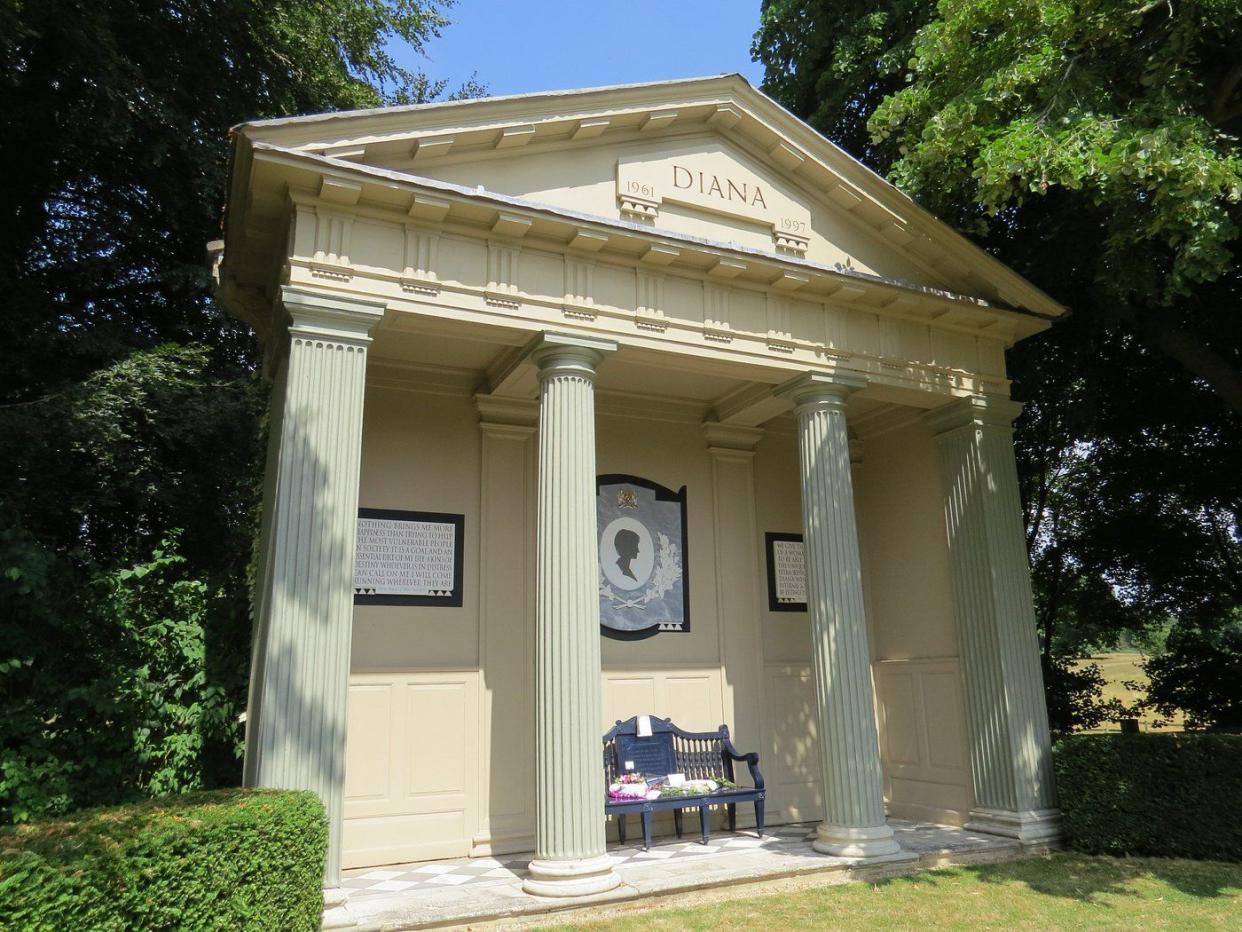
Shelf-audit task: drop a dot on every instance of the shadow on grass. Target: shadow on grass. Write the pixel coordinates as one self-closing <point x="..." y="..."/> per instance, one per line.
<point x="1089" y="878"/>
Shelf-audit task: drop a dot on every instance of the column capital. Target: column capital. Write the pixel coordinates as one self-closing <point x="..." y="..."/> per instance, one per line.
<point x="330" y="317"/>
<point x="820" y="388"/>
<point x="733" y="438"/>
<point x="973" y="410"/>
<point x="568" y="353"/>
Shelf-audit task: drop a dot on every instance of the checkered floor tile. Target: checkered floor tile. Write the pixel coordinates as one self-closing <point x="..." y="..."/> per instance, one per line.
<point x="434" y="875"/>
<point x="508" y="869"/>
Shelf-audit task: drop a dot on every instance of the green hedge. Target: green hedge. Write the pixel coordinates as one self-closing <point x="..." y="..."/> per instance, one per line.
<point x="230" y="859"/>
<point x="1171" y="795"/>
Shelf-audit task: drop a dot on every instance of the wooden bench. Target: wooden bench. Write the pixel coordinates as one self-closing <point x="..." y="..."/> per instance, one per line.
<point x="707" y="755"/>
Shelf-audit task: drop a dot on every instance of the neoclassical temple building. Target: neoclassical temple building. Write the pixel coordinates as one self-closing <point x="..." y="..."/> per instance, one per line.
<point x="634" y="400"/>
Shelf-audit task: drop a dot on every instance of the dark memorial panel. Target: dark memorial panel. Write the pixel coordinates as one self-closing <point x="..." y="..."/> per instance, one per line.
<point x="649" y="756"/>
<point x="786" y="572"/>
<point x="643" y="585"/>
<point x="408" y="558"/>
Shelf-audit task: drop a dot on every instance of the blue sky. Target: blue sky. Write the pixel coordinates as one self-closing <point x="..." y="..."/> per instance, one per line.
<point x="517" y="46"/>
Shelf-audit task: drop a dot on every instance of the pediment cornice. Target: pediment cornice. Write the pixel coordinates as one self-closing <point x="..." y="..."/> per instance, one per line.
<point x="393" y="196"/>
<point x="490" y="128"/>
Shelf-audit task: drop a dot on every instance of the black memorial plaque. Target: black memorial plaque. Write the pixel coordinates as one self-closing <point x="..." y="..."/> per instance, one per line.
<point x="651" y="755"/>
<point x="408" y="558"/>
<point x="786" y="556"/>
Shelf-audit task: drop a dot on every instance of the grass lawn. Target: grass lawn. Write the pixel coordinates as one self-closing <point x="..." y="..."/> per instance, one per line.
<point x="1063" y="891"/>
<point x="1117" y="668"/>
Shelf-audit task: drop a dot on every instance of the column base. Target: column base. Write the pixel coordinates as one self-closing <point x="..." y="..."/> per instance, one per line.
<point x="875" y="841"/>
<point x="1029" y="827"/>
<point x="335" y="915"/>
<point x="571" y="878"/>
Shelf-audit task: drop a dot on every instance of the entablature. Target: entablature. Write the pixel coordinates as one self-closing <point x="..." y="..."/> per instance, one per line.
<point x="694" y="299"/>
<point x="428" y="206"/>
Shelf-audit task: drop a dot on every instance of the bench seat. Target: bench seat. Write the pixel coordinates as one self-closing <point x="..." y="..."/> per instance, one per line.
<point x="696" y="755"/>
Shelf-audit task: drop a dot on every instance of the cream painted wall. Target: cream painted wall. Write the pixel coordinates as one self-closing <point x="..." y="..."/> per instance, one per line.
<point x="902" y="536"/>
<point x="910" y="624"/>
<point x="672" y="454"/>
<point x="910" y="613"/>
<point x="427" y="675"/>
<point x="415" y="680"/>
<point x="420" y="452"/>
<point x="790" y="756"/>
<point x="778" y="506"/>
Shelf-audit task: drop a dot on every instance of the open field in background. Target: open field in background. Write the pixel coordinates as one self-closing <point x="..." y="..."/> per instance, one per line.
<point x="1119" y="667"/>
<point x="1062" y="891"/>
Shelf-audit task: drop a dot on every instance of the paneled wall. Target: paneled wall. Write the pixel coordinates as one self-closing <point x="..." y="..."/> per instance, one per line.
<point x="913" y="638"/>
<point x="420" y="452"/>
<point x="692" y="693"/>
<point x="455" y="684"/>
<point x="790" y="756"/>
<point x="411" y="767"/>
<point x="926" y="770"/>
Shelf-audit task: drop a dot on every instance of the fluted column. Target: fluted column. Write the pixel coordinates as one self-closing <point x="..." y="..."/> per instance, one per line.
<point x="570" y="857"/>
<point x="854" y="820"/>
<point x="1010" y="750"/>
<point x="295" y="732"/>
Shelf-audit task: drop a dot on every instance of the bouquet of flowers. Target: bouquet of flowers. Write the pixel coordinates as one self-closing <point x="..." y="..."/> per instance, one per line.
<point x="632" y="787"/>
<point x="697" y="787"/>
<point x="691" y="788"/>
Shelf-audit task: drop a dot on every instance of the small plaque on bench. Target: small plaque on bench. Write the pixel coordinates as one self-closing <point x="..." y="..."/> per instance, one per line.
<point x="653" y="755"/>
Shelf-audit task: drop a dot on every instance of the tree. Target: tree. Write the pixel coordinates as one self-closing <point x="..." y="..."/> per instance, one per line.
<point x="1130" y="113"/>
<point x="1198" y="674"/>
<point x="114" y="120"/>
<point x="834" y="63"/>
<point x="130" y="413"/>
<point x="1095" y="149"/>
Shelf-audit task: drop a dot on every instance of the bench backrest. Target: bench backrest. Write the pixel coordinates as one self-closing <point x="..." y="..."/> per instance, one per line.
<point x="669" y="749"/>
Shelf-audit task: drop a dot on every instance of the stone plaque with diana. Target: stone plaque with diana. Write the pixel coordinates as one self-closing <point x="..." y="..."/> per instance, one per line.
<point x="643" y="587"/>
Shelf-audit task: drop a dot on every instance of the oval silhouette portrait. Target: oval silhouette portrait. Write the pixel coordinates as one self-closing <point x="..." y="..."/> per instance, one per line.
<point x="626" y="553"/>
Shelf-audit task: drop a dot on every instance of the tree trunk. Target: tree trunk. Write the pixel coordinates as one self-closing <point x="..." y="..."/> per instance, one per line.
<point x="1185" y="348"/>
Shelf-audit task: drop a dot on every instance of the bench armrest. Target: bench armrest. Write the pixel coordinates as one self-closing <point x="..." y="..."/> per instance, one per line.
<point x="751" y="760"/>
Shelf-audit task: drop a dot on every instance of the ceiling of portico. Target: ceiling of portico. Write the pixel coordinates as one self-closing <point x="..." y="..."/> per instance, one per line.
<point x="404" y="356"/>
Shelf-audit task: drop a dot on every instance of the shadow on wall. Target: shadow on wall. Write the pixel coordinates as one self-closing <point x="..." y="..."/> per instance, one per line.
<point x="790" y="759"/>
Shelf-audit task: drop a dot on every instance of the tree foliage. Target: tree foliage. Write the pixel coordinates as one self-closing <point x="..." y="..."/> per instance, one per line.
<point x="129" y="407"/>
<point x="1131" y="106"/>
<point x="115" y="682"/>
<point x="1093" y="147"/>
<point x="114" y="120"/>
<point x="1198" y="673"/>
<point x="834" y="63"/>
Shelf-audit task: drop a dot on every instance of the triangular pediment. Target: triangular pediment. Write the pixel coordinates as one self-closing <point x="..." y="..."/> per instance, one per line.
<point x="710" y="159"/>
<point x="702" y="185"/>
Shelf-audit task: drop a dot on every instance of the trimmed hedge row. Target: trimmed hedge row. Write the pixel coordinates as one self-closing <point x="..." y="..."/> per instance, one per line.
<point x="229" y="859"/>
<point x="1171" y="795"/>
